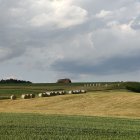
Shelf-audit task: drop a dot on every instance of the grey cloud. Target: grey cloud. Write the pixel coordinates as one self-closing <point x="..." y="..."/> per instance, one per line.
<point x="136" y="23"/>
<point x="116" y="65"/>
<point x="85" y="47"/>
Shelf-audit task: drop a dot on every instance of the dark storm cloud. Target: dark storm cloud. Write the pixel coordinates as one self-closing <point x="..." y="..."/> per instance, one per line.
<point x="115" y="65"/>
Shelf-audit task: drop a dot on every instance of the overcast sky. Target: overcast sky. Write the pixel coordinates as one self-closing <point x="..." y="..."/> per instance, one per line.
<point x="84" y="40"/>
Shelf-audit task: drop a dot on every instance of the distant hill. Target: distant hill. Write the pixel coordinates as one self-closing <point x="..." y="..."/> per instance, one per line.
<point x="11" y="81"/>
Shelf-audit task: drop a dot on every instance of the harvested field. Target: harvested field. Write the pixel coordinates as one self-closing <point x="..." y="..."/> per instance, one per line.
<point x="111" y="103"/>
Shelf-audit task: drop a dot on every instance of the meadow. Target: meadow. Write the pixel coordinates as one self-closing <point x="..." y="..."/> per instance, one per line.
<point x="103" y="113"/>
<point x="53" y="127"/>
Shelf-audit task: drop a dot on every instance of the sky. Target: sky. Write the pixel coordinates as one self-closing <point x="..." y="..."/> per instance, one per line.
<point x="84" y="40"/>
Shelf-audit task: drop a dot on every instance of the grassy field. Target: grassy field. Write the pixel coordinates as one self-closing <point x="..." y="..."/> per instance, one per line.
<point x="41" y="127"/>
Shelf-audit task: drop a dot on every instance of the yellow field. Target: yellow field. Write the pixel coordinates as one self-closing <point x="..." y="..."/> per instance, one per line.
<point x="112" y="104"/>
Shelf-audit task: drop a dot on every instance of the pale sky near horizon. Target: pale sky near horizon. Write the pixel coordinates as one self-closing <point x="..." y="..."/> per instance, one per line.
<point x="84" y="40"/>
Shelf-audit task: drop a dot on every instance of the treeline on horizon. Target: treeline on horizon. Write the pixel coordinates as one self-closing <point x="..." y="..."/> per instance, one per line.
<point x="13" y="81"/>
<point x="133" y="86"/>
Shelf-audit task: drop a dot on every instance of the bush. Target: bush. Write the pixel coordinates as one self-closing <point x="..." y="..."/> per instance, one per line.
<point x="133" y="86"/>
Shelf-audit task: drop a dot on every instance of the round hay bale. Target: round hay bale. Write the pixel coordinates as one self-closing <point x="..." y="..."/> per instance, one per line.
<point x="70" y="92"/>
<point x="53" y="93"/>
<point x="48" y="94"/>
<point x="32" y="95"/>
<point x="40" y="95"/>
<point x="64" y="92"/>
<point x="24" y="96"/>
<point x="56" y="92"/>
<point x="83" y="91"/>
<point x="74" y="92"/>
<point x="44" y="94"/>
<point x="28" y="96"/>
<point x="13" y="97"/>
<point x="78" y="91"/>
<point x="61" y="93"/>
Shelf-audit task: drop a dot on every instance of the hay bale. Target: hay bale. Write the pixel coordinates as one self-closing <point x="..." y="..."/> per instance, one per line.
<point x="60" y="92"/>
<point x="83" y="91"/>
<point x="73" y="92"/>
<point x="44" y="94"/>
<point x="56" y="93"/>
<point x="28" y="96"/>
<point x="24" y="96"/>
<point x="70" y="92"/>
<point x="12" y="97"/>
<point x="41" y="95"/>
<point x="48" y="94"/>
<point x="52" y="93"/>
<point x="32" y="95"/>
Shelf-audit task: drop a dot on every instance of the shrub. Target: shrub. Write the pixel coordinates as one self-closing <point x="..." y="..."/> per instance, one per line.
<point x="133" y="86"/>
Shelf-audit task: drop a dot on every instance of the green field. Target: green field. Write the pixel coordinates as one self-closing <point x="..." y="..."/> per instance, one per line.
<point x="41" y="127"/>
<point x="18" y="89"/>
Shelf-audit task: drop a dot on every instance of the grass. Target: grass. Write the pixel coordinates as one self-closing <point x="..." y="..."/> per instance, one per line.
<point x="41" y="127"/>
<point x="18" y="89"/>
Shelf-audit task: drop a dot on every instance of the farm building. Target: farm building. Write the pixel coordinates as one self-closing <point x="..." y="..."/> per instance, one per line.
<point x="66" y="81"/>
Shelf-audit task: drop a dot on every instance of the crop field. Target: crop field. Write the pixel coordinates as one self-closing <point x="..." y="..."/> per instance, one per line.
<point x="103" y="113"/>
<point x="52" y="127"/>
<point x="99" y="103"/>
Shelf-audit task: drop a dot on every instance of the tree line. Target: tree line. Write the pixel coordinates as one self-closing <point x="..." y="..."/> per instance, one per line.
<point x="13" y="81"/>
<point x="133" y="86"/>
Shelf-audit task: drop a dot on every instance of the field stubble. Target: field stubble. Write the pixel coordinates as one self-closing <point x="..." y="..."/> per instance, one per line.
<point x="112" y="104"/>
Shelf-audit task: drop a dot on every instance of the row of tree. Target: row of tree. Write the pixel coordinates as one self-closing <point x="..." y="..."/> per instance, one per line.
<point x="11" y="81"/>
<point x="133" y="86"/>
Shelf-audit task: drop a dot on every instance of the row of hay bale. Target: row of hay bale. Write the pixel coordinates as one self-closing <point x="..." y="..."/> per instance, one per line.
<point x="48" y="94"/>
<point x="23" y="96"/>
<point x="76" y="91"/>
<point x="54" y="93"/>
<point x="27" y="96"/>
<point x="51" y="93"/>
